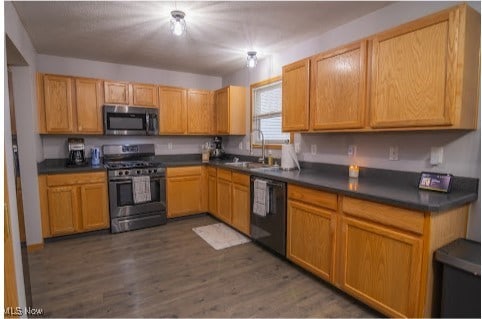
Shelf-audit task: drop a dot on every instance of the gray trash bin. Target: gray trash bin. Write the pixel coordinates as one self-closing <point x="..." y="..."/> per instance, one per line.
<point x="461" y="279"/>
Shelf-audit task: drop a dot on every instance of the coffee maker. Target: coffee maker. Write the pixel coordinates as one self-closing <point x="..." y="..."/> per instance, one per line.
<point x="217" y="151"/>
<point x="76" y="148"/>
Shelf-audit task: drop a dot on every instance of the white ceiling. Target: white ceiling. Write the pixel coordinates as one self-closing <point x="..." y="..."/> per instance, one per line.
<point x="218" y="33"/>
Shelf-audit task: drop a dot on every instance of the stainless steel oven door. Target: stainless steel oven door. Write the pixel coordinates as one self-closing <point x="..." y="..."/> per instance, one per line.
<point x="121" y="202"/>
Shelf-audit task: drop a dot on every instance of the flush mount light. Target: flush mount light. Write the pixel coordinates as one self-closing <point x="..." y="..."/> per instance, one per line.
<point x="251" y="60"/>
<point x="178" y="24"/>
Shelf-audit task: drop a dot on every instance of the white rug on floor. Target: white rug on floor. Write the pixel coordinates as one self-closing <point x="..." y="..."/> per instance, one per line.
<point x="220" y="236"/>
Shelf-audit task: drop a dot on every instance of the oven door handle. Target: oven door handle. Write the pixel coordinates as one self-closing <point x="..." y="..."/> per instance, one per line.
<point x="121" y="181"/>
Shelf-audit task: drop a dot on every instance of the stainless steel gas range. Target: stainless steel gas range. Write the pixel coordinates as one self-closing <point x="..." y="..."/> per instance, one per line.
<point x="137" y="187"/>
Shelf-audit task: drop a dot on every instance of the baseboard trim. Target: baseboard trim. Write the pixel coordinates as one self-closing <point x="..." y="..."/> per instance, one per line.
<point x="35" y="247"/>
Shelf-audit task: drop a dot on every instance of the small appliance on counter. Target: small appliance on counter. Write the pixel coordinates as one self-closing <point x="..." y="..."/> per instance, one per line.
<point x="217" y="152"/>
<point x="289" y="161"/>
<point x="95" y="156"/>
<point x="76" y="149"/>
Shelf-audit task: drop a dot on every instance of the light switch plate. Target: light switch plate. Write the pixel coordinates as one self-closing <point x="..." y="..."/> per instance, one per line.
<point x="313" y="149"/>
<point x="393" y="153"/>
<point x="436" y="155"/>
<point x="351" y="150"/>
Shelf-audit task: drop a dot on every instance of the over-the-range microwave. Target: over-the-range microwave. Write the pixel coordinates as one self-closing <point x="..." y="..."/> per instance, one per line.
<point x="130" y="120"/>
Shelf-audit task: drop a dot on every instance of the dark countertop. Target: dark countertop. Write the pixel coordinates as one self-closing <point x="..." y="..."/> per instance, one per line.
<point x="59" y="166"/>
<point x="384" y="186"/>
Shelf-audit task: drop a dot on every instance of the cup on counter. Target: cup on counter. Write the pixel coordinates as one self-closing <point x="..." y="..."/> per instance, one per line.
<point x="95" y="156"/>
<point x="353" y="171"/>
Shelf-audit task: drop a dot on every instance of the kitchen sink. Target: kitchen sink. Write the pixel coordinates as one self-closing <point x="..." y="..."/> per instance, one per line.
<point x="252" y="165"/>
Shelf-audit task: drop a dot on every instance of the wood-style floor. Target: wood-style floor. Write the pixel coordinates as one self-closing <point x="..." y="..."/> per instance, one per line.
<point x="169" y="271"/>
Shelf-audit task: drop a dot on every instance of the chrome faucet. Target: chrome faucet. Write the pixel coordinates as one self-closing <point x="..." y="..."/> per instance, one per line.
<point x="262" y="158"/>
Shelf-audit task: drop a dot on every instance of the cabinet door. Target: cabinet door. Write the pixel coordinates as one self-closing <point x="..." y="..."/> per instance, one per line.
<point x="212" y="199"/>
<point x="381" y="266"/>
<point x="116" y="92"/>
<point x="200" y="112"/>
<point x="184" y="195"/>
<point x="63" y="210"/>
<point x="88" y="97"/>
<point x="58" y="104"/>
<point x="95" y="214"/>
<point x="224" y="200"/>
<point x="172" y="111"/>
<point x="413" y="74"/>
<point x="338" y="90"/>
<point x="310" y="241"/>
<point x="296" y="96"/>
<point x="222" y="111"/>
<point x="144" y="95"/>
<point x="241" y="207"/>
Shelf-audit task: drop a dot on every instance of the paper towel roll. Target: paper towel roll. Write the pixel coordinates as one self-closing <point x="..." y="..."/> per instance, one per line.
<point x="288" y="157"/>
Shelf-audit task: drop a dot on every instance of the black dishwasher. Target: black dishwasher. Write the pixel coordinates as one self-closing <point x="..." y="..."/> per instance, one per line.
<point x="268" y="213"/>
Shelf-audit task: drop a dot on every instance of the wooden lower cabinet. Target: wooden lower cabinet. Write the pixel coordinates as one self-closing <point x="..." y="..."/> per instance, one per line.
<point x="310" y="242"/>
<point x="224" y="195"/>
<point x="73" y="203"/>
<point x="212" y="191"/>
<point x="381" y="266"/>
<point x="184" y="187"/>
<point x="240" y="218"/>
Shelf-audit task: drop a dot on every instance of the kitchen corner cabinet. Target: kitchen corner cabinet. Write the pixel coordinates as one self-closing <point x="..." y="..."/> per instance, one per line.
<point x="116" y="92"/>
<point x="172" y="110"/>
<point x="224" y="195"/>
<point x="144" y="95"/>
<point x="185" y="191"/>
<point x="73" y="203"/>
<point x="426" y="73"/>
<point x="296" y="96"/>
<point x="212" y="191"/>
<point x="240" y="218"/>
<point x="69" y="104"/>
<point x="230" y="106"/>
<point x="311" y="229"/>
<point x="200" y="112"/>
<point x="338" y="88"/>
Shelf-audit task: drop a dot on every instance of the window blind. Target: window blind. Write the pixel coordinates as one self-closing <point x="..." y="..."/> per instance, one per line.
<point x="267" y="114"/>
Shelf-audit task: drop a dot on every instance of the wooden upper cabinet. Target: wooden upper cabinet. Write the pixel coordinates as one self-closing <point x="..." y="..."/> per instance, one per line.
<point x="230" y="106"/>
<point x="57" y="104"/>
<point x="338" y="88"/>
<point x="88" y="97"/>
<point x="425" y="73"/>
<point x="296" y="96"/>
<point x="200" y="112"/>
<point x="144" y="95"/>
<point x="172" y="110"/>
<point x="116" y="92"/>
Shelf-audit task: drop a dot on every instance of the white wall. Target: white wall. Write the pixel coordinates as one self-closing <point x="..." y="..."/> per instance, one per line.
<point x="461" y="149"/>
<point x="120" y="72"/>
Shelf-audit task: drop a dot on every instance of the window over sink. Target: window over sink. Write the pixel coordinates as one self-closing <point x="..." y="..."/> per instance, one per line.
<point x="266" y="113"/>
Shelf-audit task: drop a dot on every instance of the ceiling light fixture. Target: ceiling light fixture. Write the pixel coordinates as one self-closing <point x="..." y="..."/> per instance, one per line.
<point x="178" y="24"/>
<point x="251" y="60"/>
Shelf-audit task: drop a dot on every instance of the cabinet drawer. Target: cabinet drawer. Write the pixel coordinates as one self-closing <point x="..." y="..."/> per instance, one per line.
<point x="242" y="179"/>
<point x="75" y="179"/>
<point x="313" y="197"/>
<point x="212" y="171"/>
<point x="224" y="174"/>
<point x="184" y="171"/>
<point x="384" y="214"/>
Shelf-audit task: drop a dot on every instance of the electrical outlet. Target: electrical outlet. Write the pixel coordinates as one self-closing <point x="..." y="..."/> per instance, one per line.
<point x="240" y="145"/>
<point x="313" y="149"/>
<point x="351" y="150"/>
<point x="297" y="148"/>
<point x="393" y="153"/>
<point x="169" y="146"/>
<point x="436" y="155"/>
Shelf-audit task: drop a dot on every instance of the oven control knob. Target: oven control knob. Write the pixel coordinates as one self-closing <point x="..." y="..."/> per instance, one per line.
<point x="138" y="172"/>
<point x="150" y="171"/>
<point x="126" y="173"/>
<point x="154" y="170"/>
<point x="120" y="173"/>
